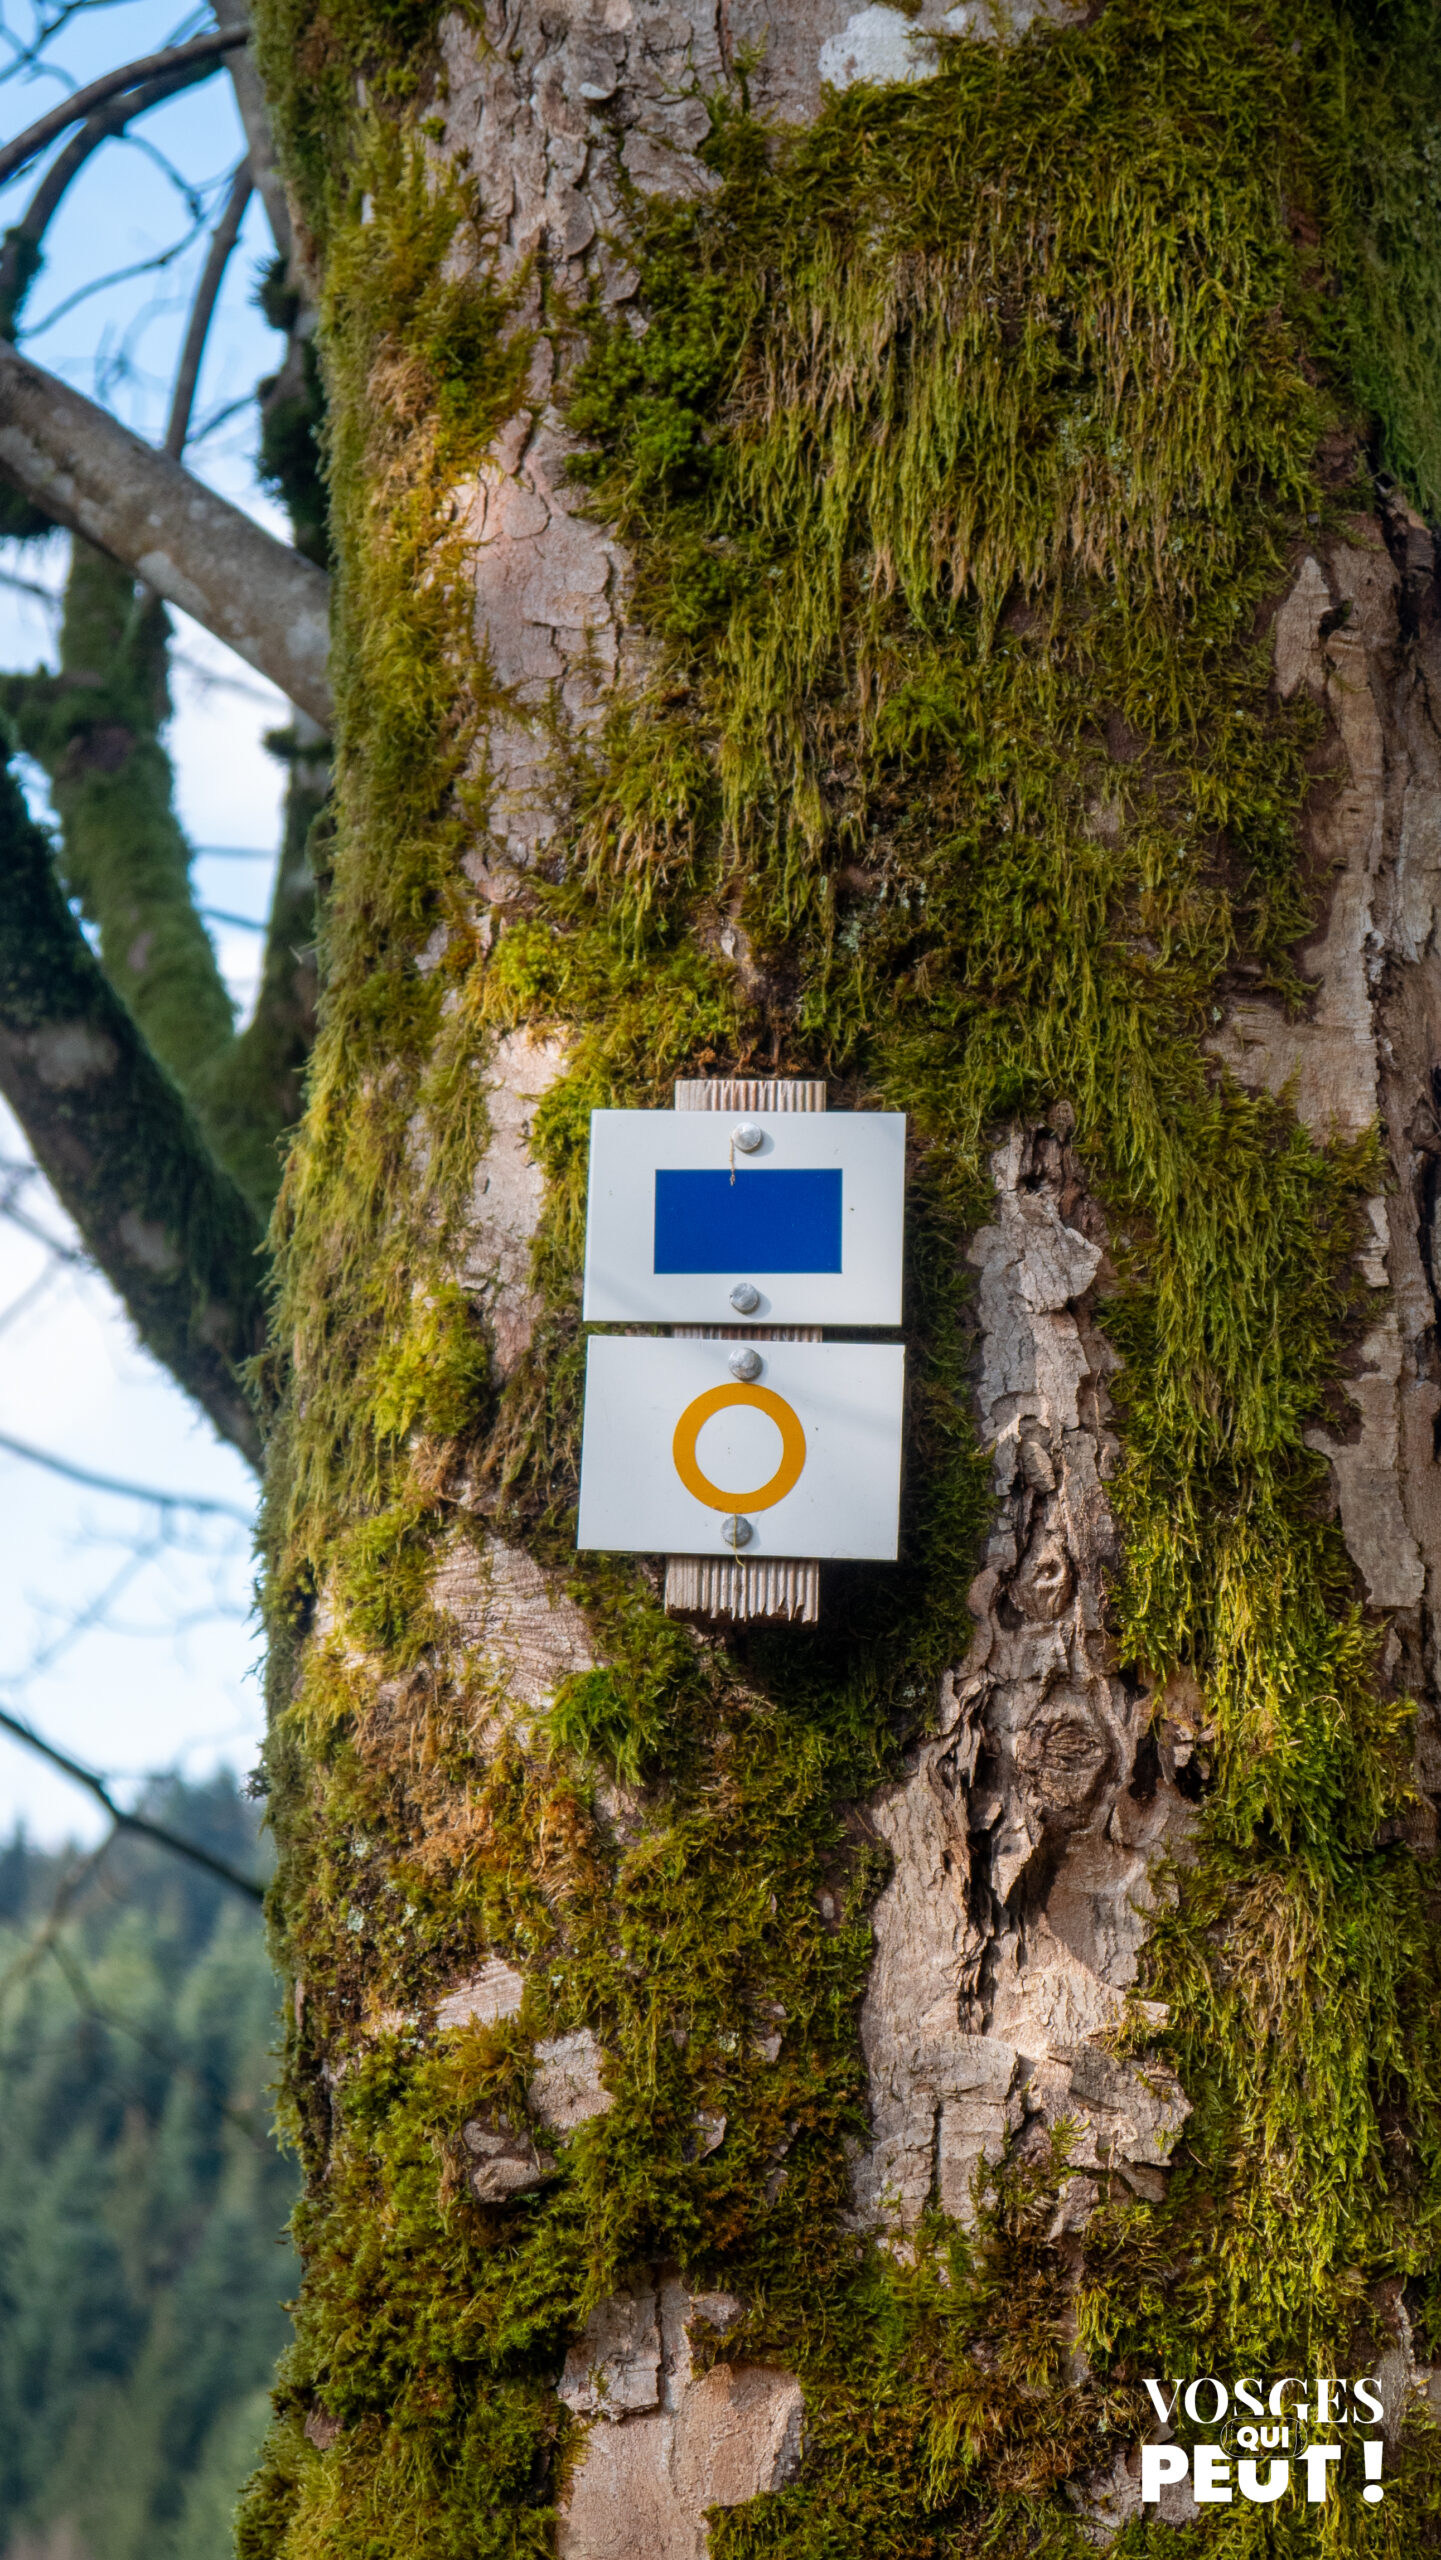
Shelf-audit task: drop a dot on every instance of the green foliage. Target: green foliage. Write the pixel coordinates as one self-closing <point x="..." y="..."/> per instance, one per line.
<point x="962" y="459"/>
<point x="142" y="2206"/>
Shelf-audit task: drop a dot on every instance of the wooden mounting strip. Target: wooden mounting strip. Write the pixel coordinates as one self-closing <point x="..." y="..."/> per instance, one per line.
<point x="746" y="1587"/>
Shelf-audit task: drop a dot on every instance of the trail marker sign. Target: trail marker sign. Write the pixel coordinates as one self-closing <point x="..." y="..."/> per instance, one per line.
<point x="706" y="1217"/>
<point x="801" y="1454"/>
<point x="744" y="1448"/>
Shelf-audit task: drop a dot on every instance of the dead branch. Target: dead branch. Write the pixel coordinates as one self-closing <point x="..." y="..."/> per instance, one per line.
<point x="208" y="1504"/>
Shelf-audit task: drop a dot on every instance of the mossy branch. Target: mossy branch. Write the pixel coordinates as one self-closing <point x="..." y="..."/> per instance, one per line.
<point x="95" y="729"/>
<point x="113" y="1135"/>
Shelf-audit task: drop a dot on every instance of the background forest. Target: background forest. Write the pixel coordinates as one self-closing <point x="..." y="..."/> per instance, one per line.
<point x="142" y="2202"/>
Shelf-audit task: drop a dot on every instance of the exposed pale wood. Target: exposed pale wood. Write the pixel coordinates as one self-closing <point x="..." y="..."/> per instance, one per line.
<point x="750" y="1093"/>
<point x="745" y="1333"/>
<point x="745" y="1587"/>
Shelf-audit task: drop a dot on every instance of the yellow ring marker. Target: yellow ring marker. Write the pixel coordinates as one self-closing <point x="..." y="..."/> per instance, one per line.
<point x="715" y="1400"/>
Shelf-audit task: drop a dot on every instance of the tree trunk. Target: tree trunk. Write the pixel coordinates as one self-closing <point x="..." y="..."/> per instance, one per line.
<point x="921" y="581"/>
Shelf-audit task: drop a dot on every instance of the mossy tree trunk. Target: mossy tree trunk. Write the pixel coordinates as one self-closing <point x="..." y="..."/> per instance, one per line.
<point x="923" y="581"/>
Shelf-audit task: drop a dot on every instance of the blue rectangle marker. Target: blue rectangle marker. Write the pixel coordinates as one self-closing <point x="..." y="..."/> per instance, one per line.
<point x="753" y="1223"/>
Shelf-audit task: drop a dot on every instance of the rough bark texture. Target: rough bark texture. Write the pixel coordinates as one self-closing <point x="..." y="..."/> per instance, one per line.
<point x="1358" y="634"/>
<point x="197" y="551"/>
<point x="1023" y="1841"/>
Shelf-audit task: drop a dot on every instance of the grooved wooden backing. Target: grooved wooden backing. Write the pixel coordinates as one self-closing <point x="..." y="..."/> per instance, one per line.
<point x="745" y="1587"/>
<point x="742" y="1587"/>
<point x="750" y="1093"/>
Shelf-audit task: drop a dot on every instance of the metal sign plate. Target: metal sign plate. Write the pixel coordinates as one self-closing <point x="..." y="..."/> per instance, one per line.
<point x="807" y="1454"/>
<point x="806" y="1218"/>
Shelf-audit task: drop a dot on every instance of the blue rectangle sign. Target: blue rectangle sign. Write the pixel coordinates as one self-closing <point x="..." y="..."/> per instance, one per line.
<point x="749" y="1222"/>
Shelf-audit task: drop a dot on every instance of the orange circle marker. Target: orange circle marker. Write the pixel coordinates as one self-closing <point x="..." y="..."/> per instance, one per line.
<point x="691" y="1424"/>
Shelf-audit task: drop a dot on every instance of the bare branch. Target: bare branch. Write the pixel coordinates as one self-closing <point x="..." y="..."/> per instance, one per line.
<point x="118" y="1485"/>
<point x="38" y="137"/>
<point x="31" y="56"/>
<point x="72" y="1883"/>
<point x="70" y="457"/>
<point x="202" y="309"/>
<point x="86" y="292"/>
<point x="241" y="924"/>
<point x="221" y="417"/>
<point x="133" y="1822"/>
<point x="29" y="1297"/>
<point x="166" y="1226"/>
<point x="19" y="253"/>
<point x="47" y="596"/>
<point x="32" y="1227"/>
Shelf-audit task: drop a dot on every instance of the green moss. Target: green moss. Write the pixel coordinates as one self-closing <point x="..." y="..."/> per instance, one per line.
<point x="962" y="460"/>
<point x="96" y="729"/>
<point x="252" y="1093"/>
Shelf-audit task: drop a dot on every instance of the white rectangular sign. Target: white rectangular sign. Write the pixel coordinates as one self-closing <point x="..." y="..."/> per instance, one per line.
<point x="800" y="1225"/>
<point x="807" y="1453"/>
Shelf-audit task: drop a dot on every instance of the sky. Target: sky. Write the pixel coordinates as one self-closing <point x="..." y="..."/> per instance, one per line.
<point x="126" y="1630"/>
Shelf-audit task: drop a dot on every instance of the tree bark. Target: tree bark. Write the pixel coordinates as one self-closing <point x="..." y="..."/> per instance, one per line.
<point x="785" y="2090"/>
<point x="196" y="550"/>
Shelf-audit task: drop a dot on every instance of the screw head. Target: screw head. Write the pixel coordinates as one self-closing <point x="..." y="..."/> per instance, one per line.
<point x="747" y="1137"/>
<point x="735" y="1531"/>
<point x="746" y="1365"/>
<point x="745" y="1298"/>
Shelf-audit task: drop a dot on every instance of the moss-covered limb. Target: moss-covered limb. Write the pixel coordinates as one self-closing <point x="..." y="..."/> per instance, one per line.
<point x="112" y="1134"/>
<point x="95" y="728"/>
